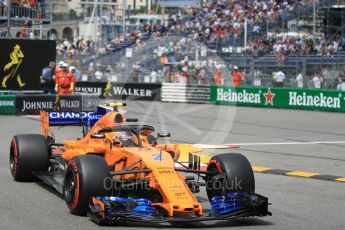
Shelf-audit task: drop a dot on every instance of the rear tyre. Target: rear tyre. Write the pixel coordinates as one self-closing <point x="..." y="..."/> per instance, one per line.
<point x="86" y="176"/>
<point x="28" y="153"/>
<point x="233" y="173"/>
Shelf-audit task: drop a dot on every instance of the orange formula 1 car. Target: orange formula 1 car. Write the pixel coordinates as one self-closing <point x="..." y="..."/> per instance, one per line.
<point x="117" y="171"/>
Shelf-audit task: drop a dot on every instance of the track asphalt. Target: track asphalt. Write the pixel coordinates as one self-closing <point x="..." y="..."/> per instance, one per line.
<point x="297" y="203"/>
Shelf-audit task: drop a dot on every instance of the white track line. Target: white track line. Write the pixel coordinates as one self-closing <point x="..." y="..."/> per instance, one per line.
<point x="211" y="146"/>
<point x="292" y="143"/>
<point x="31" y="116"/>
<point x="226" y="146"/>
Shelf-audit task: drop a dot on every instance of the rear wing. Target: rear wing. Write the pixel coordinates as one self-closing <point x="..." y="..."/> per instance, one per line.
<point x="49" y="119"/>
<point x="73" y="119"/>
<point x="88" y="119"/>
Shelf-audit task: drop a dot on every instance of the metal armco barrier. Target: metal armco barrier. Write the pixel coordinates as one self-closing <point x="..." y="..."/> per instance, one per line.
<point x="290" y="98"/>
<point x="185" y="93"/>
<point x="7" y="104"/>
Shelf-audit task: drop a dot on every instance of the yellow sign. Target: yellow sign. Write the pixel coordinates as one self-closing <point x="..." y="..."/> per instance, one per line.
<point x="12" y="67"/>
<point x="56" y="103"/>
<point x="106" y="91"/>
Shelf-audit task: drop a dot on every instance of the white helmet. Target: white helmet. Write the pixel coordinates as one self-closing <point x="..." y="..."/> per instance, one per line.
<point x="60" y="64"/>
<point x="72" y="68"/>
<point x="65" y="65"/>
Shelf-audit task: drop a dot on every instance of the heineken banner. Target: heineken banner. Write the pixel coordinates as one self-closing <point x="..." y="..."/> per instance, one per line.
<point x="7" y="104"/>
<point x="291" y="98"/>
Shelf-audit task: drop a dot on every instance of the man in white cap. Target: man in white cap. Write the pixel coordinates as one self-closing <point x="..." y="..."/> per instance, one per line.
<point x="60" y="63"/>
<point x="317" y="80"/>
<point x="59" y="67"/>
<point x="236" y="76"/>
<point x="153" y="76"/>
<point x="300" y="79"/>
<point x="76" y="73"/>
<point x="65" y="81"/>
<point x="218" y="77"/>
<point x="279" y="78"/>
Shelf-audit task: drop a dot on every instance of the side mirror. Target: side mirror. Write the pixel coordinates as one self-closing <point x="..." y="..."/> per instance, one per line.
<point x="161" y="135"/>
<point x="97" y="136"/>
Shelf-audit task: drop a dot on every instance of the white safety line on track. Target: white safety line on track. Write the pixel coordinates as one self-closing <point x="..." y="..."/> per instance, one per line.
<point x="233" y="145"/>
<point x="211" y="146"/>
<point x="31" y="116"/>
<point x="291" y="143"/>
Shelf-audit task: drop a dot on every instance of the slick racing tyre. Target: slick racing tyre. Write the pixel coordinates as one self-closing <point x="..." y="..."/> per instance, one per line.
<point x="233" y="173"/>
<point x="85" y="176"/>
<point x="28" y="153"/>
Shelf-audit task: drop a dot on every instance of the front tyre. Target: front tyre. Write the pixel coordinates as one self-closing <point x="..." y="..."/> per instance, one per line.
<point x="28" y="153"/>
<point x="233" y="173"/>
<point x="86" y="176"/>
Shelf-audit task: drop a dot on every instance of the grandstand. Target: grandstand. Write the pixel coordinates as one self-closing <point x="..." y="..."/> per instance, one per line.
<point x="23" y="19"/>
<point x="260" y="38"/>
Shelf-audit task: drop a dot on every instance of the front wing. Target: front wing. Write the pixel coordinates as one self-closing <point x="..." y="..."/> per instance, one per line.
<point x="112" y="210"/>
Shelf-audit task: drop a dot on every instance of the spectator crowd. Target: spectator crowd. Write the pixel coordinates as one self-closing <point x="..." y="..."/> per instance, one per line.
<point x="24" y="8"/>
<point x="215" y="21"/>
<point x="218" y="20"/>
<point x="282" y="48"/>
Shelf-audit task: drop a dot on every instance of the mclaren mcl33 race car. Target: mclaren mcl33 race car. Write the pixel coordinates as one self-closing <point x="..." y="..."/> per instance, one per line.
<point x="118" y="171"/>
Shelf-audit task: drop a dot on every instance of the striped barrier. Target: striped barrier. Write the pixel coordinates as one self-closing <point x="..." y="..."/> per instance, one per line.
<point x="172" y="92"/>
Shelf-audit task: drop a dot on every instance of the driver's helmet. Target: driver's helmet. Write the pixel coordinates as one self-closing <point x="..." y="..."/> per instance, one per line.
<point x="117" y="141"/>
<point x="124" y="139"/>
